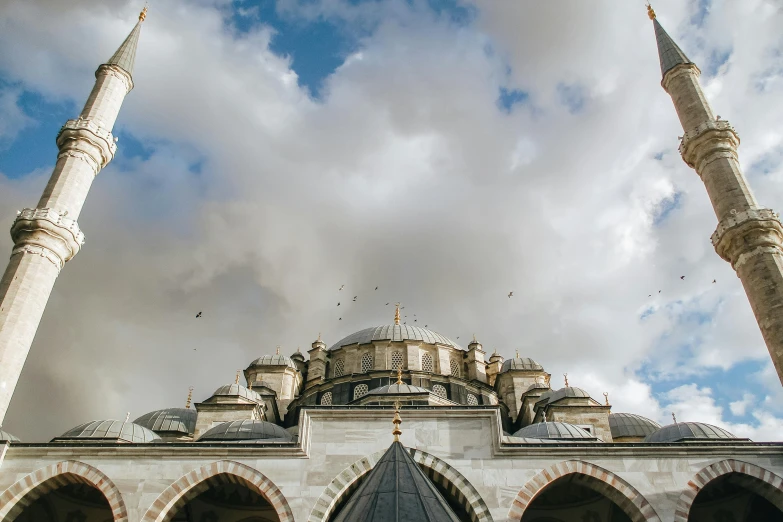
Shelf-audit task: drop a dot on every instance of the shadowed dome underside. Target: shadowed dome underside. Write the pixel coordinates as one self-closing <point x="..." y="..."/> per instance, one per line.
<point x="631" y="425"/>
<point x="553" y="430"/>
<point x="110" y="429"/>
<point x="684" y="431"/>
<point x="521" y="363"/>
<point x="395" y="333"/>
<point x="178" y="420"/>
<point x="247" y="430"/>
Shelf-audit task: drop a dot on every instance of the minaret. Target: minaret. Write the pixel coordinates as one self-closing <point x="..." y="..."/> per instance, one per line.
<point x="48" y="236"/>
<point x="748" y="236"/>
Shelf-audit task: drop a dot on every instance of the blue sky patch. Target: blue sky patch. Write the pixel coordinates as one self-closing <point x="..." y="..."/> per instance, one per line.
<point x="665" y="207"/>
<point x="507" y="98"/>
<point x="572" y="96"/>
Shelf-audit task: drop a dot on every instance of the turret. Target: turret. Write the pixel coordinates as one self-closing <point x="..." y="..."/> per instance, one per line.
<point x="48" y="236"/>
<point x="493" y="367"/>
<point x="748" y="236"/>
<point x="477" y="368"/>
<point x="316" y="369"/>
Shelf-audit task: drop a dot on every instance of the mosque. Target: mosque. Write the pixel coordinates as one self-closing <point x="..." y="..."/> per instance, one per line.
<point x="393" y="422"/>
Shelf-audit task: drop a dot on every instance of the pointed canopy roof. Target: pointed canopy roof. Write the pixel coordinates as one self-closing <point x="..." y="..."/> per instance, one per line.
<point x="125" y="56"/>
<point x="397" y="490"/>
<point x="669" y="52"/>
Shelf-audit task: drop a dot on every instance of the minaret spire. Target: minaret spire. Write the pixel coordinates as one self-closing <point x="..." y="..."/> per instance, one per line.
<point x="748" y="236"/>
<point x="47" y="236"/>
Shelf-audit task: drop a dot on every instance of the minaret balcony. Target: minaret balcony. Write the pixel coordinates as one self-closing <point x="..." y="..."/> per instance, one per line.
<point x="101" y="144"/>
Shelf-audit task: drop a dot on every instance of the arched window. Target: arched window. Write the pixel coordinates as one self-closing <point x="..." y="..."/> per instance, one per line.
<point x="326" y="399"/>
<point x="396" y="360"/>
<point x="454" y="368"/>
<point x="439" y="390"/>
<point x="360" y="391"/>
<point x="426" y="363"/>
<point x="366" y="362"/>
<point x="339" y="367"/>
<point x="472" y="400"/>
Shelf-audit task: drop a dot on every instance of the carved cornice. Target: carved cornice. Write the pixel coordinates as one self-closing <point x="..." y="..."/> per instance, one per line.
<point x="79" y="154"/>
<point x="743" y="235"/>
<point x="87" y="137"/>
<point x="707" y="142"/>
<point x="118" y="72"/>
<point x="45" y="232"/>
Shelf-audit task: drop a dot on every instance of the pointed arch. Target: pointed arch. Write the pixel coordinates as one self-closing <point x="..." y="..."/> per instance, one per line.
<point x="199" y="480"/>
<point x="40" y="482"/>
<point x="760" y="481"/>
<point x="436" y="469"/>
<point x="601" y="480"/>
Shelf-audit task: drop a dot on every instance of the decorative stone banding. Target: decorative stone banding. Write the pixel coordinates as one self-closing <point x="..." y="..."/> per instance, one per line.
<point x="37" y="484"/>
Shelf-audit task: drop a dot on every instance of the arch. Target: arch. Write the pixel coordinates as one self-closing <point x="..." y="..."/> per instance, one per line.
<point x="762" y="481"/>
<point x="199" y="480"/>
<point x="437" y="469"/>
<point x="607" y="483"/>
<point x="40" y="482"/>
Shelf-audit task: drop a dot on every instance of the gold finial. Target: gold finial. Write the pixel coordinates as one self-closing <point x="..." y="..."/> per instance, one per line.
<point x="565" y="376"/>
<point x="606" y="398"/>
<point x="250" y="385"/>
<point x="397" y="314"/>
<point x="399" y="376"/>
<point x="236" y="381"/>
<point x="517" y="354"/>
<point x="319" y="336"/>
<point x="674" y="418"/>
<point x="143" y="14"/>
<point x="277" y="351"/>
<point x="650" y="12"/>
<point x="474" y="338"/>
<point x="397" y="421"/>
<point x="190" y="397"/>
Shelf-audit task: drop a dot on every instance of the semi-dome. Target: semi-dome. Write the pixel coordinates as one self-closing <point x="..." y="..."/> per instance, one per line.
<point x="685" y="431"/>
<point x="395" y="332"/>
<point x="177" y="420"/>
<point x="521" y="363"/>
<point x="238" y="390"/>
<point x="553" y="430"/>
<point x="631" y="425"/>
<point x="274" y="360"/>
<point x="109" y="429"/>
<point x="4" y="435"/>
<point x="397" y="389"/>
<point x="247" y="430"/>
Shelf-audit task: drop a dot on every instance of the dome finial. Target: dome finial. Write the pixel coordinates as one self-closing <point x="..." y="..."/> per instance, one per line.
<point x="606" y="398"/>
<point x="399" y="375"/>
<point x="319" y="336"/>
<point x="517" y="354"/>
<point x="236" y="380"/>
<point x="127" y="417"/>
<point x="397" y="421"/>
<point x="674" y="418"/>
<point x="650" y="11"/>
<point x="565" y="376"/>
<point x="190" y="397"/>
<point x="143" y="14"/>
<point x="397" y="314"/>
<point x="277" y="350"/>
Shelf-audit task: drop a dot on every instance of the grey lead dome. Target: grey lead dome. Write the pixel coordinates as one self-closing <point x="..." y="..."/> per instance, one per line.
<point x="110" y="429"/>
<point x="684" y="431"/>
<point x="397" y="389"/>
<point x="237" y="389"/>
<point x="520" y="363"/>
<point x="178" y="420"/>
<point x="631" y="425"/>
<point x="246" y="430"/>
<point x="553" y="430"/>
<point x="395" y="332"/>
<point x="274" y="360"/>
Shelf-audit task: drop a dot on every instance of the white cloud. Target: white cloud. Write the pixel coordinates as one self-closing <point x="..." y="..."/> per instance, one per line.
<point x="740" y="407"/>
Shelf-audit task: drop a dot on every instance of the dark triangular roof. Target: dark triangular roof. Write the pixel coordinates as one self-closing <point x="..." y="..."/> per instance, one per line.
<point x="396" y="490"/>
<point x="669" y="52"/>
<point x="126" y="54"/>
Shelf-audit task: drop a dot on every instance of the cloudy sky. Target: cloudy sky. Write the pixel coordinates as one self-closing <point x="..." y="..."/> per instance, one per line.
<point x="446" y="151"/>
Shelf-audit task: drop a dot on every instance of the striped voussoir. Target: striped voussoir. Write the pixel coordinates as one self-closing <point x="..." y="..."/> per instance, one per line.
<point x="596" y="478"/>
<point x="40" y="482"/>
<point x="212" y="475"/>
<point x="750" y="476"/>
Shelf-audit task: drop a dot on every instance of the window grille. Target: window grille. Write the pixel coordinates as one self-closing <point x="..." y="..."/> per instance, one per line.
<point x="439" y="390"/>
<point x="472" y="400"/>
<point x="426" y="363"/>
<point x="326" y="399"/>
<point x="366" y="362"/>
<point x="360" y="391"/>
<point x="396" y="360"/>
<point x="454" y="368"/>
<point x="339" y="368"/>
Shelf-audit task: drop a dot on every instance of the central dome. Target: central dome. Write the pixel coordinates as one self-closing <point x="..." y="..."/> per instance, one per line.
<point x="395" y="332"/>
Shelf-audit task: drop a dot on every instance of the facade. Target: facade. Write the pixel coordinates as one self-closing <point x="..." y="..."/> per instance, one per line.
<point x="309" y="437"/>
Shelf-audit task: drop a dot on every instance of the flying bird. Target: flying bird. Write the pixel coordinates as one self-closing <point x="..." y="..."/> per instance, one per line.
<point x="341" y="288"/>
<point x="354" y="297"/>
<point x="338" y="304"/>
<point x="198" y="315"/>
<point x="714" y="280"/>
<point x="415" y="320"/>
<point x="387" y="304"/>
<point x="510" y="294"/>
<point x="649" y="295"/>
<point x="376" y="288"/>
<point x="425" y="326"/>
<point x="340" y="319"/>
<point x="682" y="277"/>
<point x="659" y="291"/>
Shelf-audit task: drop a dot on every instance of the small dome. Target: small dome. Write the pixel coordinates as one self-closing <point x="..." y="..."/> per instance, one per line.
<point x="521" y="363"/>
<point x="110" y="429"/>
<point x="298" y="355"/>
<point x="536" y="386"/>
<point x="395" y="332"/>
<point x="179" y="420"/>
<point x="684" y="431"/>
<point x="247" y="430"/>
<point x="553" y="430"/>
<point x="570" y="392"/>
<point x="274" y="360"/>
<point x="397" y="389"/>
<point x="4" y="435"/>
<point x="237" y="389"/>
<point x="631" y="425"/>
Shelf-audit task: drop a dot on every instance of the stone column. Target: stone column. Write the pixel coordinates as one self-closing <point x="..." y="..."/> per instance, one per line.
<point x="48" y="236"/>
<point x="748" y="236"/>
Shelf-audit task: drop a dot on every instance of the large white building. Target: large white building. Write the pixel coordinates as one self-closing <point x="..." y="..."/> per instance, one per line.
<point x="393" y="422"/>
